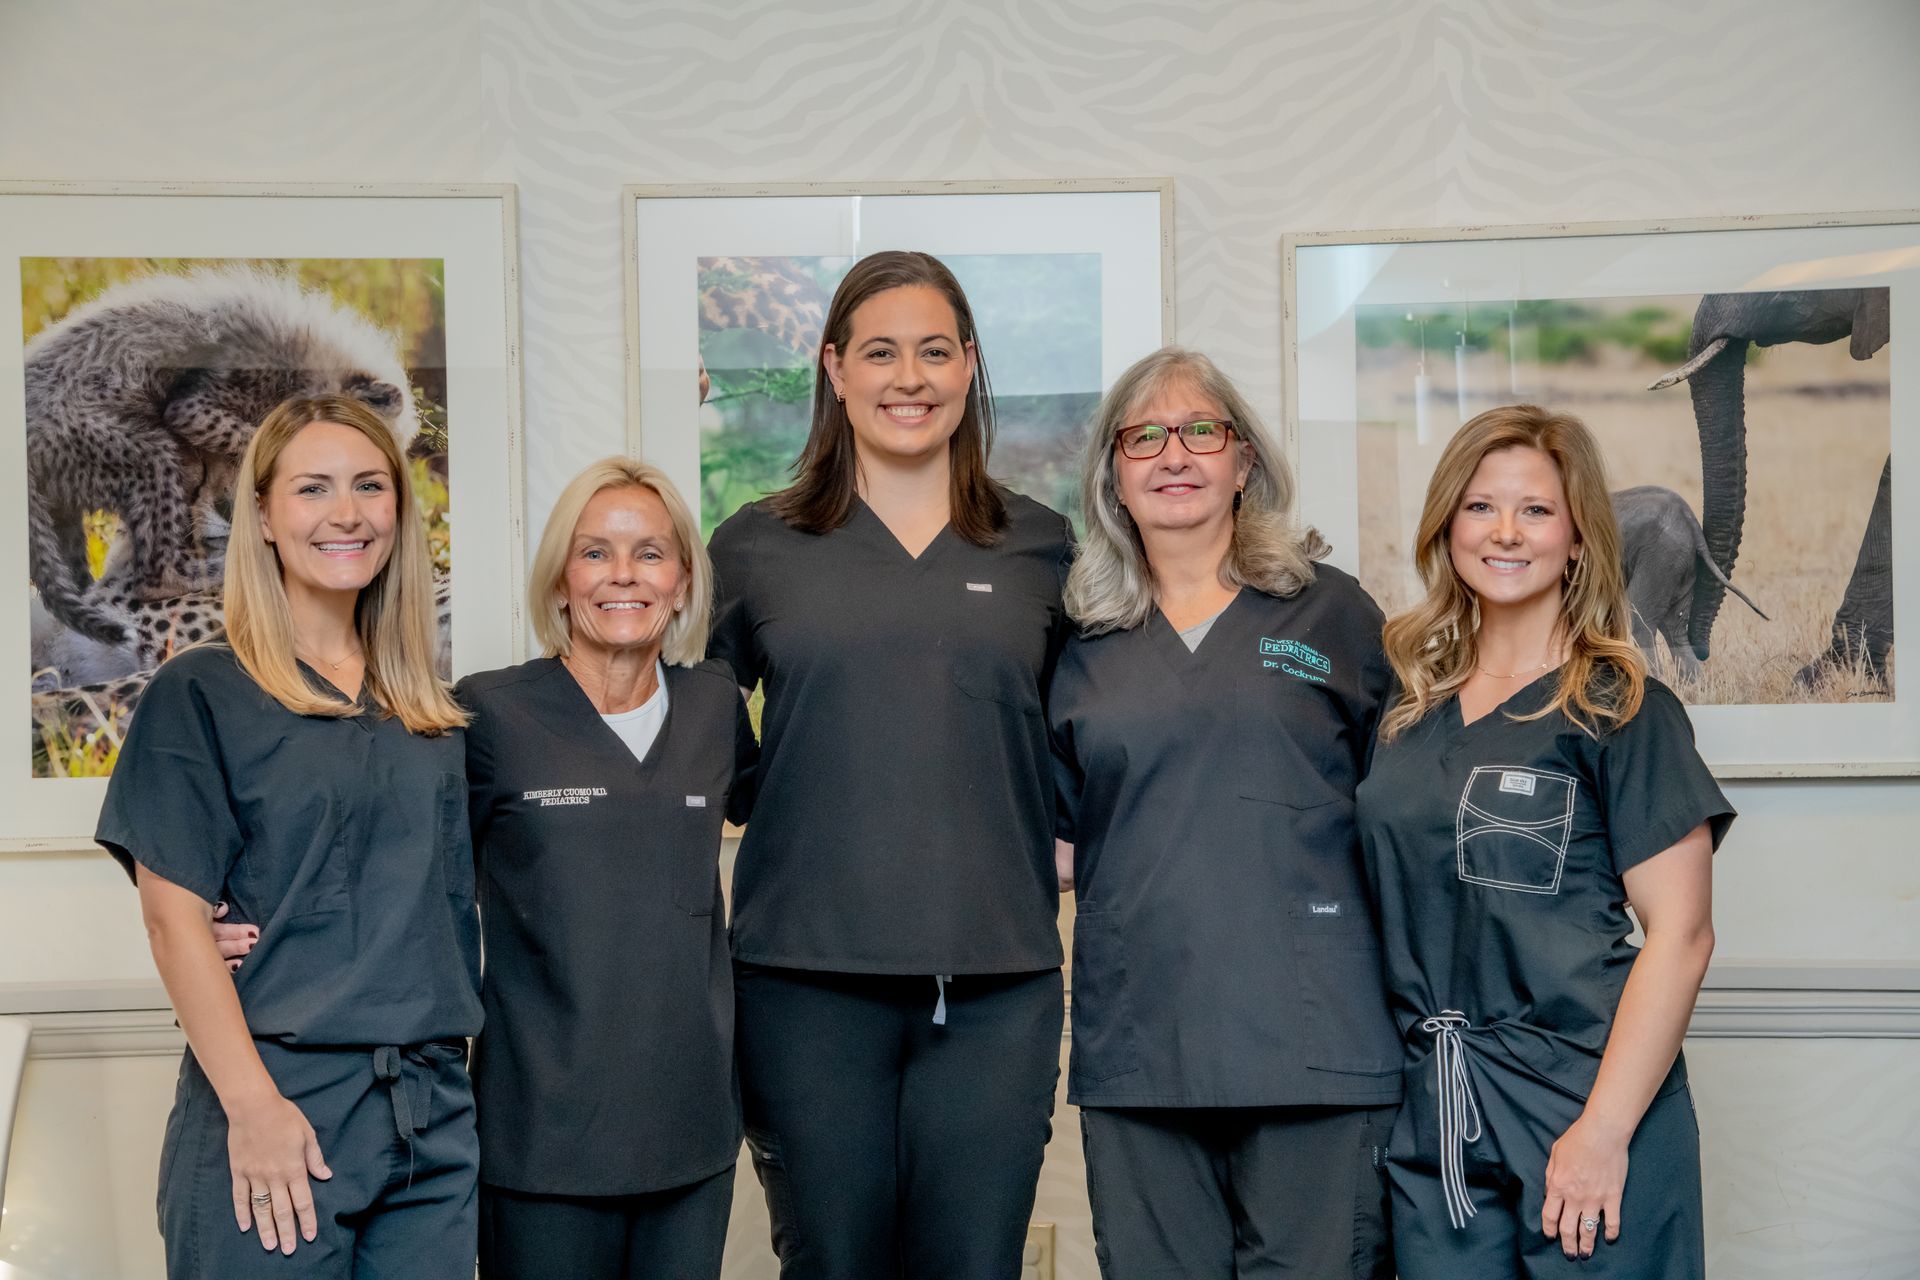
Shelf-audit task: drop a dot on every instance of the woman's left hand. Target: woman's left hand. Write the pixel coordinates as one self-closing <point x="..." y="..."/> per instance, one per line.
<point x="1586" y="1174"/>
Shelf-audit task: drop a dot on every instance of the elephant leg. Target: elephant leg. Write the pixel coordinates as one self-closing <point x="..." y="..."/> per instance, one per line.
<point x="1863" y="624"/>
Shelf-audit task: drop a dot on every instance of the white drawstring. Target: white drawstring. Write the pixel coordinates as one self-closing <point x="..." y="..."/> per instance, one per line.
<point x="940" y="1006"/>
<point x="1457" y="1107"/>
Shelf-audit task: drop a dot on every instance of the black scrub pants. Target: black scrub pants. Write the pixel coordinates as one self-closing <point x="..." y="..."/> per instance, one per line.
<point x="889" y="1145"/>
<point x="1219" y="1193"/>
<point x="1662" y="1233"/>
<point x="396" y="1127"/>
<point x="676" y="1234"/>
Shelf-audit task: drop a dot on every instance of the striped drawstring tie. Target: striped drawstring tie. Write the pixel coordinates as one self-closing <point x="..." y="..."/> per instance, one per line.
<point x="1458" y="1110"/>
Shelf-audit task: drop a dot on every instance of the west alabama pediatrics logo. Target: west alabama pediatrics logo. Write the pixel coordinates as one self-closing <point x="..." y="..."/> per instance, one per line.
<point x="1283" y="655"/>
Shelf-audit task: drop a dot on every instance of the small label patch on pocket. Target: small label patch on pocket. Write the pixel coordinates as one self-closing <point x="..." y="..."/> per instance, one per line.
<point x="1323" y="908"/>
<point x="979" y="586"/>
<point x="696" y="802"/>
<point x="1520" y="784"/>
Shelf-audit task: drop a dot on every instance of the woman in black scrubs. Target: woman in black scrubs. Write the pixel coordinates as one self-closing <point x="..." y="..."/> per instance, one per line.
<point x="1530" y="782"/>
<point x="1232" y="1056"/>
<point x="599" y="776"/>
<point x="309" y="773"/>
<point x="896" y="955"/>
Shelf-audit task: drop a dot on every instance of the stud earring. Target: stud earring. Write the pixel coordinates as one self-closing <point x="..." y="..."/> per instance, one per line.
<point x="1237" y="495"/>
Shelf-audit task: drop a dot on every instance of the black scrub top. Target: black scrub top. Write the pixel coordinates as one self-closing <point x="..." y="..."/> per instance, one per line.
<point x="1498" y="850"/>
<point x="904" y="816"/>
<point x="1224" y="950"/>
<point x="345" y="840"/>
<point x="607" y="1064"/>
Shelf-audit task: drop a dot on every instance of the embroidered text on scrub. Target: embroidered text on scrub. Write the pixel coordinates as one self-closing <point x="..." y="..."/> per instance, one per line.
<point x="1457" y="1106"/>
<point x="941" y="980"/>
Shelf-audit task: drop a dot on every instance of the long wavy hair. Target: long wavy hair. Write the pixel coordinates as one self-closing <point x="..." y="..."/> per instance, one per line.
<point x="820" y="499"/>
<point x="1111" y="586"/>
<point x="1434" y="646"/>
<point x="394" y="613"/>
<point x="684" y="643"/>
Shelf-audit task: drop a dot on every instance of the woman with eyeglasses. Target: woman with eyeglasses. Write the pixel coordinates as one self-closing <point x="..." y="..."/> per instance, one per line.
<point x="896" y="958"/>
<point x="1233" y="1059"/>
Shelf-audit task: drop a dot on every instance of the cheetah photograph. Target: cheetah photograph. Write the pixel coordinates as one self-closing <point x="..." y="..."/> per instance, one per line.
<point x="145" y="379"/>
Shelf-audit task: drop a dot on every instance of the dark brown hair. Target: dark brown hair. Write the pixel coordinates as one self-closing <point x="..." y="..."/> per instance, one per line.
<point x="820" y="499"/>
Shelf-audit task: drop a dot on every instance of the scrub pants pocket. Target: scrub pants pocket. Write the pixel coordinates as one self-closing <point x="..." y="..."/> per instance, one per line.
<point x="1103" y="1044"/>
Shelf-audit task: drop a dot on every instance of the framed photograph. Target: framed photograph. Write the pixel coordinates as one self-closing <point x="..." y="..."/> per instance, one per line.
<point x="156" y="326"/>
<point x="727" y="289"/>
<point x="1751" y="382"/>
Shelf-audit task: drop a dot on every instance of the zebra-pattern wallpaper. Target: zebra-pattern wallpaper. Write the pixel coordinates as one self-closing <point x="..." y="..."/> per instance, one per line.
<point x="1271" y="116"/>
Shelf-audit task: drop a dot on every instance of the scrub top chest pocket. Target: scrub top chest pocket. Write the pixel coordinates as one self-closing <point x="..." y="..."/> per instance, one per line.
<point x="1513" y="827"/>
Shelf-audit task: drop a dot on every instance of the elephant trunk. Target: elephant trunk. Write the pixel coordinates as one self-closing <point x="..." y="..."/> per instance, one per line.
<point x="1719" y="407"/>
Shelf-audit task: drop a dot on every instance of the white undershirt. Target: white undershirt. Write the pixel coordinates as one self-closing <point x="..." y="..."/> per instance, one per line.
<point x="640" y="726"/>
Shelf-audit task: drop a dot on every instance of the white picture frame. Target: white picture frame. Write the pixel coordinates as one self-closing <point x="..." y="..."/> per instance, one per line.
<point x="468" y="233"/>
<point x="669" y="230"/>
<point x="1337" y="284"/>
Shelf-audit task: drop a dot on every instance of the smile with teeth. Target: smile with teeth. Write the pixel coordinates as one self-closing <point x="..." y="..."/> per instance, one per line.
<point x="907" y="412"/>
<point x="622" y="606"/>
<point x="340" y="548"/>
<point x="1505" y="564"/>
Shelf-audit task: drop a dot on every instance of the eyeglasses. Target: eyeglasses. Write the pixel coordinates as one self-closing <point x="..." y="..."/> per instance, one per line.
<point x="1148" y="439"/>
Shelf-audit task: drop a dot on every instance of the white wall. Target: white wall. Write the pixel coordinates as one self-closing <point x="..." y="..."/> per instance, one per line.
<point x="1271" y="117"/>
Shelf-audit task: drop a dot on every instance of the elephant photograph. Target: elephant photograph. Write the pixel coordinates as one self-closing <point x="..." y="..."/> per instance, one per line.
<point x="1748" y="441"/>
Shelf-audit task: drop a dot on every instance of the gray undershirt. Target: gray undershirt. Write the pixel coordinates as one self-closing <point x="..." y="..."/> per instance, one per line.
<point x="1194" y="634"/>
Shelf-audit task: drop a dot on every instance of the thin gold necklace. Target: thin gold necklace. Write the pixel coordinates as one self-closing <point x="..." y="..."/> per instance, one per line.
<point x="1515" y="675"/>
<point x="335" y="665"/>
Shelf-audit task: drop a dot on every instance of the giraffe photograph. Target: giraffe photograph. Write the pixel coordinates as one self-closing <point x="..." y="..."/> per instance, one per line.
<point x="144" y="380"/>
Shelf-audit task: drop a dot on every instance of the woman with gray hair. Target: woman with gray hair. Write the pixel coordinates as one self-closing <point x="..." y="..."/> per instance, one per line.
<point x="1232" y="1054"/>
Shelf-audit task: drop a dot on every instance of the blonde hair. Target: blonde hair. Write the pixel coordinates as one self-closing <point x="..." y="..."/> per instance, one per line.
<point x="685" y="641"/>
<point x="1434" y="646"/>
<point x="393" y="615"/>
<point x="1110" y="587"/>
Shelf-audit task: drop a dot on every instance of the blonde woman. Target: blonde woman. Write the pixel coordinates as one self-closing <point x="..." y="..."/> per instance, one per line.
<point x="310" y="773"/>
<point x="1529" y="783"/>
<point x="1233" y="1061"/>
<point x="599" y="776"/>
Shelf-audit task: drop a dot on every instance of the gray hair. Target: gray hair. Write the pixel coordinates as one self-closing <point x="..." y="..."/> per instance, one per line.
<point x="1111" y="585"/>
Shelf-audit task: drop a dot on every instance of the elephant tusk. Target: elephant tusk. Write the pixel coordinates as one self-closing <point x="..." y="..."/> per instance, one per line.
<point x="1691" y="367"/>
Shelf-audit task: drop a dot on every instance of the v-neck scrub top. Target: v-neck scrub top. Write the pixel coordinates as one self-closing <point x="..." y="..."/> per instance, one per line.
<point x="1224" y="946"/>
<point x="903" y="821"/>
<point x="1499" y="848"/>
<point x="606" y="1065"/>
<point x="344" y="839"/>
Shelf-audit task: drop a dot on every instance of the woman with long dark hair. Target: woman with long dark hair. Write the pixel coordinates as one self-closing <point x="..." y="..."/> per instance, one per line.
<point x="897" y="964"/>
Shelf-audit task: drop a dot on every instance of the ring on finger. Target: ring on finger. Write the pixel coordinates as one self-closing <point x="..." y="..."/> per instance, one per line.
<point x="261" y="1198"/>
<point x="1589" y="1224"/>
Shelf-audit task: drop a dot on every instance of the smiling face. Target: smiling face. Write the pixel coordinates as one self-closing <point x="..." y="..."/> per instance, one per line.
<point x="903" y="374"/>
<point x="1181" y="489"/>
<point x="1511" y="538"/>
<point x="329" y="510"/>
<point x="626" y="573"/>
